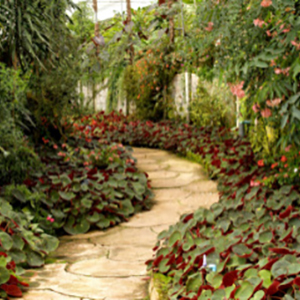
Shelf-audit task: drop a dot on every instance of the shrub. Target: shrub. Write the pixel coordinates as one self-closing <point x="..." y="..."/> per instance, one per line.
<point x="84" y="185"/>
<point x="261" y="54"/>
<point x="23" y="244"/>
<point x="16" y="156"/>
<point x="213" y="105"/>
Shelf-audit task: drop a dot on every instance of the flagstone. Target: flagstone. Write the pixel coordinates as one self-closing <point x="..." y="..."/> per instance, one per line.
<point x="54" y="277"/>
<point x="71" y="251"/>
<point x="129" y="253"/>
<point x="162" y="174"/>
<point x="195" y="200"/>
<point x="170" y="194"/>
<point x="180" y="181"/>
<point x="104" y="267"/>
<point x="201" y="186"/>
<point x="123" y="235"/>
<point x="48" y="295"/>
<point x="161" y="213"/>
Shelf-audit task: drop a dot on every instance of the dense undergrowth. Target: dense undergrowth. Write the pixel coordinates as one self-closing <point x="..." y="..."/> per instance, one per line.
<point x="251" y="235"/>
<point x="82" y="184"/>
<point x="91" y="181"/>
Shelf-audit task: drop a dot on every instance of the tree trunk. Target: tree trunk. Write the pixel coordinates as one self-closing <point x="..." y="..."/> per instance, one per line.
<point x="95" y="6"/>
<point x="171" y="24"/>
<point x="131" y="49"/>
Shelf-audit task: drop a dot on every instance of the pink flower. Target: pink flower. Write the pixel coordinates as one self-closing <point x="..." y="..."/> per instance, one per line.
<point x="55" y="146"/>
<point x="266" y="113"/>
<point x="277" y="71"/>
<point x="210" y="26"/>
<point x="237" y="90"/>
<point x="297" y="45"/>
<point x="274" y="102"/>
<point x="268" y="32"/>
<point x="266" y="3"/>
<point x="258" y="22"/>
<point x="288" y="148"/>
<point x="50" y="219"/>
<point x="254" y="183"/>
<point x="255" y="107"/>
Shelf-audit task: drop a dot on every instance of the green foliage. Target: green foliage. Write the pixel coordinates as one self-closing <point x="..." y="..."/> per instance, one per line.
<point x="17" y="158"/>
<point x="27" y="37"/>
<point x="251" y="234"/>
<point x="213" y="105"/>
<point x="256" y="43"/>
<point x="156" y="70"/>
<point x="82" y="25"/>
<point x="23" y="244"/>
<point x="83" y="185"/>
<point x="16" y="164"/>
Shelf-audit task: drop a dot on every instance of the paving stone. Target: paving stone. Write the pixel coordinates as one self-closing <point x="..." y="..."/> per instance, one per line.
<point x="125" y="236"/>
<point x="196" y="200"/>
<point x="152" y="167"/>
<point x="170" y="194"/>
<point x="129" y="253"/>
<point x="201" y="186"/>
<point x="104" y="267"/>
<point x="163" y="174"/>
<point x="60" y="281"/>
<point x="48" y="295"/>
<point x="180" y="165"/>
<point x="183" y="179"/>
<point x="71" y="251"/>
<point x="161" y="213"/>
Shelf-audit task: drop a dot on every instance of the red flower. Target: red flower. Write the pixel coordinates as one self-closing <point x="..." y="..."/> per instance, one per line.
<point x="261" y="163"/>
<point x="283" y="158"/>
<point x="274" y="165"/>
<point x="45" y="140"/>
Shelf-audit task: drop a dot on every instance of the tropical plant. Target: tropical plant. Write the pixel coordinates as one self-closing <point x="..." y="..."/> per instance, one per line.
<point x="26" y="30"/>
<point x="259" y="54"/>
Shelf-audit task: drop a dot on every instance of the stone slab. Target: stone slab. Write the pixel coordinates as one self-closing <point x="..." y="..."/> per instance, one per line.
<point x="104" y="267"/>
<point x="60" y="281"/>
<point x="126" y="236"/>
<point x="72" y="251"/>
<point x="48" y="295"/>
<point x="196" y="200"/>
<point x="162" y="174"/>
<point x="182" y="180"/>
<point x="161" y="213"/>
<point x="201" y="186"/>
<point x="170" y="194"/>
<point x="129" y="253"/>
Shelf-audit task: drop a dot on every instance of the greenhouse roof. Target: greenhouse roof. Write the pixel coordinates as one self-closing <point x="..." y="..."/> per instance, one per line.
<point x="108" y="8"/>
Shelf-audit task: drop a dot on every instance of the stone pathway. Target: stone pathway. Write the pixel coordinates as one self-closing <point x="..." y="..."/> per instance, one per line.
<point x="110" y="265"/>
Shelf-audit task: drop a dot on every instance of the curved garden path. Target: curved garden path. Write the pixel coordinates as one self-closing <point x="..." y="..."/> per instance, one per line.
<point x="110" y="265"/>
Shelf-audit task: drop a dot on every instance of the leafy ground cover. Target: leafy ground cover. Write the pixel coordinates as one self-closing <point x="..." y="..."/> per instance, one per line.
<point x="82" y="184"/>
<point x="251" y="235"/>
<point x="91" y="181"/>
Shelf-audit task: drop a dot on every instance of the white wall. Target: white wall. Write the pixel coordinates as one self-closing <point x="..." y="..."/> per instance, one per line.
<point x="178" y="94"/>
